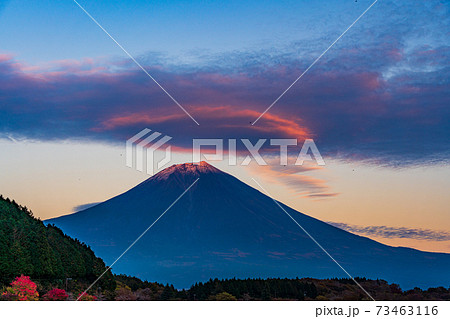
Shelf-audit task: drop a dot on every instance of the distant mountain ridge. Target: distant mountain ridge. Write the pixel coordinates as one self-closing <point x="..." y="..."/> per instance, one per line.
<point x="224" y="228"/>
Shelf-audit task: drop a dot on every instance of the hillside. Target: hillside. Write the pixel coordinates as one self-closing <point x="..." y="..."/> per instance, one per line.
<point x="223" y="228"/>
<point x="29" y="247"/>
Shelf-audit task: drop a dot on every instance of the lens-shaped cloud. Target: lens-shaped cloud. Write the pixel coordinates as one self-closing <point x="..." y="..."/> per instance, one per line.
<point x="390" y="107"/>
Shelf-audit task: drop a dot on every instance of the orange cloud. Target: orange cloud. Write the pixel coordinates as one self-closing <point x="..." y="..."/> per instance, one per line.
<point x="295" y="178"/>
<point x="225" y="118"/>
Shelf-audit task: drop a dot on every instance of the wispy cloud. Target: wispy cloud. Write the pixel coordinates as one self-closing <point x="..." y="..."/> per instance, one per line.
<point x="297" y="178"/>
<point x="395" y="232"/>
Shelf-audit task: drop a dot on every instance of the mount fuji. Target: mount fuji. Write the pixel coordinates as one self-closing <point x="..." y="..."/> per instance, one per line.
<point x="223" y="228"/>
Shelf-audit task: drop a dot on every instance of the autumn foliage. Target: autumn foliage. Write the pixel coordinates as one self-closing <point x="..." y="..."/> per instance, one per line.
<point x="22" y="289"/>
<point x="56" y="295"/>
<point x="86" y="297"/>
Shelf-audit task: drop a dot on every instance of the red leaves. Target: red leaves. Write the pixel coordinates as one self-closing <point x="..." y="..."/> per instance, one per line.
<point x="56" y="295"/>
<point x="22" y="289"/>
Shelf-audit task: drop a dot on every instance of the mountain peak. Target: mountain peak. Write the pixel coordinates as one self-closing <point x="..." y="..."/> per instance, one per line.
<point x="192" y="169"/>
<point x="223" y="228"/>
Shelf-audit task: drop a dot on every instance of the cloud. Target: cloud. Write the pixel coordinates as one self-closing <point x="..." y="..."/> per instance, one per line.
<point x="232" y="254"/>
<point x="295" y="177"/>
<point x="395" y="232"/>
<point x="380" y="96"/>
<point x="81" y="207"/>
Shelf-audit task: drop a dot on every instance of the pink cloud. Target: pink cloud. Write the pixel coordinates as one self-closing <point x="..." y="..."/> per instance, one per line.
<point x="296" y="177"/>
<point x="349" y="112"/>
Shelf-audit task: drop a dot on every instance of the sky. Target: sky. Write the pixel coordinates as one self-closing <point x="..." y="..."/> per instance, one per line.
<point x="376" y="104"/>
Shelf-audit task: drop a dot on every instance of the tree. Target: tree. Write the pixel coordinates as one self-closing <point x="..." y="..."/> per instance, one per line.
<point x="168" y="293"/>
<point x="27" y="246"/>
<point x="22" y="289"/>
<point x="124" y="293"/>
<point x="223" y="296"/>
<point x="266" y="292"/>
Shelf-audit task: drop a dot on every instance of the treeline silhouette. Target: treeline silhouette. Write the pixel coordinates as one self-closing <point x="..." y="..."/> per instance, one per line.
<point x="132" y="288"/>
<point x="29" y="247"/>
<point x="245" y="289"/>
<point x="259" y="289"/>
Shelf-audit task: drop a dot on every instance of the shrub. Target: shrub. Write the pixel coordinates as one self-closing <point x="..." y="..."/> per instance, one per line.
<point x="86" y="297"/>
<point x="8" y="296"/>
<point x="223" y="296"/>
<point x="56" y="295"/>
<point x="125" y="294"/>
<point x="22" y="289"/>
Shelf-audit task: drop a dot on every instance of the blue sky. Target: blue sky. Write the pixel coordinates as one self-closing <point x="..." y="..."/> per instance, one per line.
<point x="56" y="30"/>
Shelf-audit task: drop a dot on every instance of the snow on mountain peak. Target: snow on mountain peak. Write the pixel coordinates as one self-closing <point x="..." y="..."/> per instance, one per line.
<point x="195" y="169"/>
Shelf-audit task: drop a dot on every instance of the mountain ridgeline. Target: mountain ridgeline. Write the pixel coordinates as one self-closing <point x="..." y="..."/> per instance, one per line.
<point x="45" y="253"/>
<point x="223" y="228"/>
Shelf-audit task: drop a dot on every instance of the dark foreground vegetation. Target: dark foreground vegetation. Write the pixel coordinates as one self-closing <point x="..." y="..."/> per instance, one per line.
<point x="45" y="253"/>
<point x="39" y="262"/>
<point x="131" y="288"/>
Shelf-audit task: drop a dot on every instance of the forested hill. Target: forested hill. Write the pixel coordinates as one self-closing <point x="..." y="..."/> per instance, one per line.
<point x="30" y="248"/>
